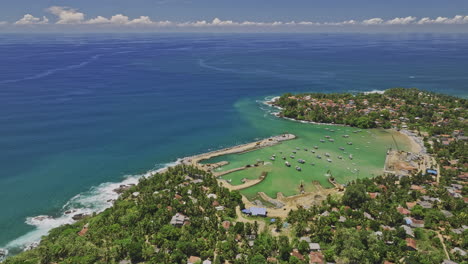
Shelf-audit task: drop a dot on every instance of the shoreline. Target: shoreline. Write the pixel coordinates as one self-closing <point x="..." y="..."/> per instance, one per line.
<point x="416" y="143"/>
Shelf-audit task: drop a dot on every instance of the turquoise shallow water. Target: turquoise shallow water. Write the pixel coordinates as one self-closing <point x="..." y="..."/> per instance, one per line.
<point x="79" y="112"/>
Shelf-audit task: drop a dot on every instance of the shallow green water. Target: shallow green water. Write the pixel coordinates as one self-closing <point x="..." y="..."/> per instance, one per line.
<point x="368" y="149"/>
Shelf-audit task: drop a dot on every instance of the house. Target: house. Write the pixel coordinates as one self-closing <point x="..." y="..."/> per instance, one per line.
<point x="179" y="220"/>
<point x="425" y="204"/>
<point x="411" y="244"/>
<point x="212" y="195"/>
<point x="84" y="230"/>
<point x="373" y="195"/>
<point x="297" y="254"/>
<point x="314" y="246"/>
<point x="446" y="213"/>
<point x="368" y="216"/>
<point x="193" y="260"/>
<point x="206" y="261"/>
<point x="431" y="172"/>
<point x="414" y="222"/>
<point x="306" y="239"/>
<point x="410" y="205"/>
<point x="226" y="224"/>
<point x="459" y="251"/>
<point x="403" y="211"/>
<point x="255" y="211"/>
<point x="316" y="258"/>
<point x="408" y="230"/>
<point x="342" y="219"/>
<point x="272" y="260"/>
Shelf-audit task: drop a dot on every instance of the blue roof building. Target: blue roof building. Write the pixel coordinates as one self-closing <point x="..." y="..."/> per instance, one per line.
<point x="431" y="172"/>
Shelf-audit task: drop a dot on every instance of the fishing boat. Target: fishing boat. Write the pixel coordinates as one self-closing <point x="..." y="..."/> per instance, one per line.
<point x="322" y="140"/>
<point x="298" y="168"/>
<point x="346" y="136"/>
<point x="272" y="158"/>
<point x="284" y="158"/>
<point x="327" y="154"/>
<point x="315" y="147"/>
<point x="274" y="155"/>
<point x="331" y="140"/>
<point x="332" y="130"/>
<point x="287" y="164"/>
<point x="305" y="149"/>
<point x="350" y="156"/>
<point x="341" y="148"/>
<point x="292" y="156"/>
<point x="327" y="136"/>
<point x="301" y="161"/>
<point x="350" y="143"/>
<point x="313" y="151"/>
<point x="329" y="160"/>
<point x="319" y="157"/>
<point x="340" y="157"/>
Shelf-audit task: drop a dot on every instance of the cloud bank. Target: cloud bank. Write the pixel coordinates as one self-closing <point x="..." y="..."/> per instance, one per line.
<point x="70" y="16"/>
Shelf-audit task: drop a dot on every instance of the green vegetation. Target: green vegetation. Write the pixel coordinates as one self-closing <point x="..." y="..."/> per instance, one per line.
<point x="400" y="219"/>
<point x="397" y="107"/>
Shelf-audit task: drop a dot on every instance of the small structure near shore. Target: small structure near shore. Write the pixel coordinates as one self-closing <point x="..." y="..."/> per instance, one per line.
<point x="256" y="211"/>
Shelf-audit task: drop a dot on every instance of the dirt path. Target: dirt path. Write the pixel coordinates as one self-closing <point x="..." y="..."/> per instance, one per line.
<point x="441" y="238"/>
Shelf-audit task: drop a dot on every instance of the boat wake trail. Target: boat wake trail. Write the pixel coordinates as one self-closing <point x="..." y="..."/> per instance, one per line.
<point x="52" y="71"/>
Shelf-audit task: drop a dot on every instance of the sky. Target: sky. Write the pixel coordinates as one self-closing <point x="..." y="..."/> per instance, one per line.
<point x="234" y="15"/>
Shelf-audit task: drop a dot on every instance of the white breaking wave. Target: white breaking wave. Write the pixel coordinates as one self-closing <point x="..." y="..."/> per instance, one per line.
<point x="96" y="200"/>
<point x="375" y="92"/>
<point x="52" y="71"/>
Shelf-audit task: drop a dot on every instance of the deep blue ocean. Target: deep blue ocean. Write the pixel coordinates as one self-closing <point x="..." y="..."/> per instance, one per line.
<point x="81" y="113"/>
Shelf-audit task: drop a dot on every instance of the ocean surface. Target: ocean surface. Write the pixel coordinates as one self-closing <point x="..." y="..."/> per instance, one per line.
<point x="81" y="113"/>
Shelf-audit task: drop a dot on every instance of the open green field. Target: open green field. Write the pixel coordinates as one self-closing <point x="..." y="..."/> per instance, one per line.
<point x="368" y="149"/>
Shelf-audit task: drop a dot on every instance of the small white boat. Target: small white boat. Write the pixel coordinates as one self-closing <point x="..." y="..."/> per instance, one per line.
<point x="272" y="158"/>
<point x="287" y="164"/>
<point x="327" y="136"/>
<point x="305" y="149"/>
<point x="327" y="154"/>
<point x="340" y="157"/>
<point x="298" y="168"/>
<point x="284" y="158"/>
<point x="319" y="157"/>
<point x="322" y="140"/>
<point x="341" y="148"/>
<point x="350" y="156"/>
<point x="346" y="136"/>
<point x="350" y="143"/>
<point x="292" y="156"/>
<point x="329" y="160"/>
<point x="315" y="147"/>
<point x="301" y="161"/>
<point x="331" y="140"/>
<point x="313" y="151"/>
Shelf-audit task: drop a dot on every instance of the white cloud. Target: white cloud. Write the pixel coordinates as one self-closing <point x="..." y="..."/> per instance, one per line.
<point x="29" y="19"/>
<point x="67" y="15"/>
<point x="70" y="16"/>
<point x="373" y="21"/>
<point x="444" y="20"/>
<point x="3" y="23"/>
<point x="401" y="20"/>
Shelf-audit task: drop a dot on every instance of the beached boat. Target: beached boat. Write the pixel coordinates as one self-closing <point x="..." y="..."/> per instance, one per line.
<point x="287" y="164"/>
<point x="329" y="160"/>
